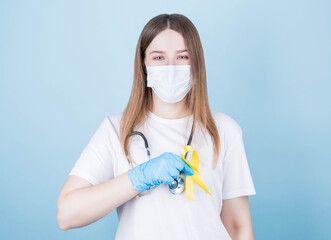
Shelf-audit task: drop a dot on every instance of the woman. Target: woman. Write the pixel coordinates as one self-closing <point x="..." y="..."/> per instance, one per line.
<point x="168" y="103"/>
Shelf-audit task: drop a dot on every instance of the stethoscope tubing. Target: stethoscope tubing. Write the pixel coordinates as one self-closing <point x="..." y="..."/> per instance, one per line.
<point x="178" y="182"/>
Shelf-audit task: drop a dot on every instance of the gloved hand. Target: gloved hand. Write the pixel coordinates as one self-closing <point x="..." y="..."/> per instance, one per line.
<point x="162" y="169"/>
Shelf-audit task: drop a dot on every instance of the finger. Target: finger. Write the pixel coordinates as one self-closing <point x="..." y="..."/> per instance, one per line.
<point x="183" y="166"/>
<point x="187" y="169"/>
<point x="169" y="179"/>
<point x="174" y="173"/>
<point x="177" y="162"/>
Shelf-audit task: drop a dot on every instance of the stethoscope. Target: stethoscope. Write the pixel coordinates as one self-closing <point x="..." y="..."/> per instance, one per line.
<point x="177" y="186"/>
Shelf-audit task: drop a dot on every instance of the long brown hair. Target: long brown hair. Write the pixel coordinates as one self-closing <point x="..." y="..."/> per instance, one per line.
<point x="140" y="101"/>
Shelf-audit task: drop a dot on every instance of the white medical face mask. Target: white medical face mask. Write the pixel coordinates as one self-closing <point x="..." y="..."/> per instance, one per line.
<point x="171" y="83"/>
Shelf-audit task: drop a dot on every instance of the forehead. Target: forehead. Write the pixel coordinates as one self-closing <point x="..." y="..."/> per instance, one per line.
<point x="167" y="40"/>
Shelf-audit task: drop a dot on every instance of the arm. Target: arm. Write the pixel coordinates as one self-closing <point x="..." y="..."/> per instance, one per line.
<point x="236" y="218"/>
<point x="80" y="203"/>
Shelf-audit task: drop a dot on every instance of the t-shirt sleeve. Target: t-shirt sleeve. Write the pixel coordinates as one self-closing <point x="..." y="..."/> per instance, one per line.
<point x="237" y="179"/>
<point x="95" y="163"/>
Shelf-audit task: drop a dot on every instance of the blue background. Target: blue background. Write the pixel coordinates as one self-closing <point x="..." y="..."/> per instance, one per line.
<point x="65" y="65"/>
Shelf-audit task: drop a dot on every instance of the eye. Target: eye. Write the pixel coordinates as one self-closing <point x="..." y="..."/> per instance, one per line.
<point x="183" y="57"/>
<point x="158" y="58"/>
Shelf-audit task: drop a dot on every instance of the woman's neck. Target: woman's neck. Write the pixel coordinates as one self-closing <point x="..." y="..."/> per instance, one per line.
<point x="169" y="110"/>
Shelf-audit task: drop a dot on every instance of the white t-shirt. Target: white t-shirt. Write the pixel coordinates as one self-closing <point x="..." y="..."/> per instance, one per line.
<point x="160" y="214"/>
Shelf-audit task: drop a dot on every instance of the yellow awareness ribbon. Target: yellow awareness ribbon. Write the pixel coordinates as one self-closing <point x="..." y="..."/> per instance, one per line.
<point x="196" y="177"/>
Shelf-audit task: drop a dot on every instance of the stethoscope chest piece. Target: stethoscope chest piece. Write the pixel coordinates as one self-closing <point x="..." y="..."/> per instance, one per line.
<point x="177" y="186"/>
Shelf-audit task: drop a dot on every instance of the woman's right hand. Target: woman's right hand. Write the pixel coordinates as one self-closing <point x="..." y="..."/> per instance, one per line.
<point x="161" y="169"/>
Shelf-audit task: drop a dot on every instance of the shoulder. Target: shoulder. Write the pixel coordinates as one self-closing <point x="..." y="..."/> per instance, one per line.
<point x="113" y="121"/>
<point x="114" y="118"/>
<point x="226" y="124"/>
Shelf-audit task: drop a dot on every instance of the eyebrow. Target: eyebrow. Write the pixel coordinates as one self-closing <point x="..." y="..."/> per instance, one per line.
<point x="178" y="51"/>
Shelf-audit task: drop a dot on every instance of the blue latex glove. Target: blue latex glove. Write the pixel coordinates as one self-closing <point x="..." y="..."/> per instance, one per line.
<point x="162" y="169"/>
